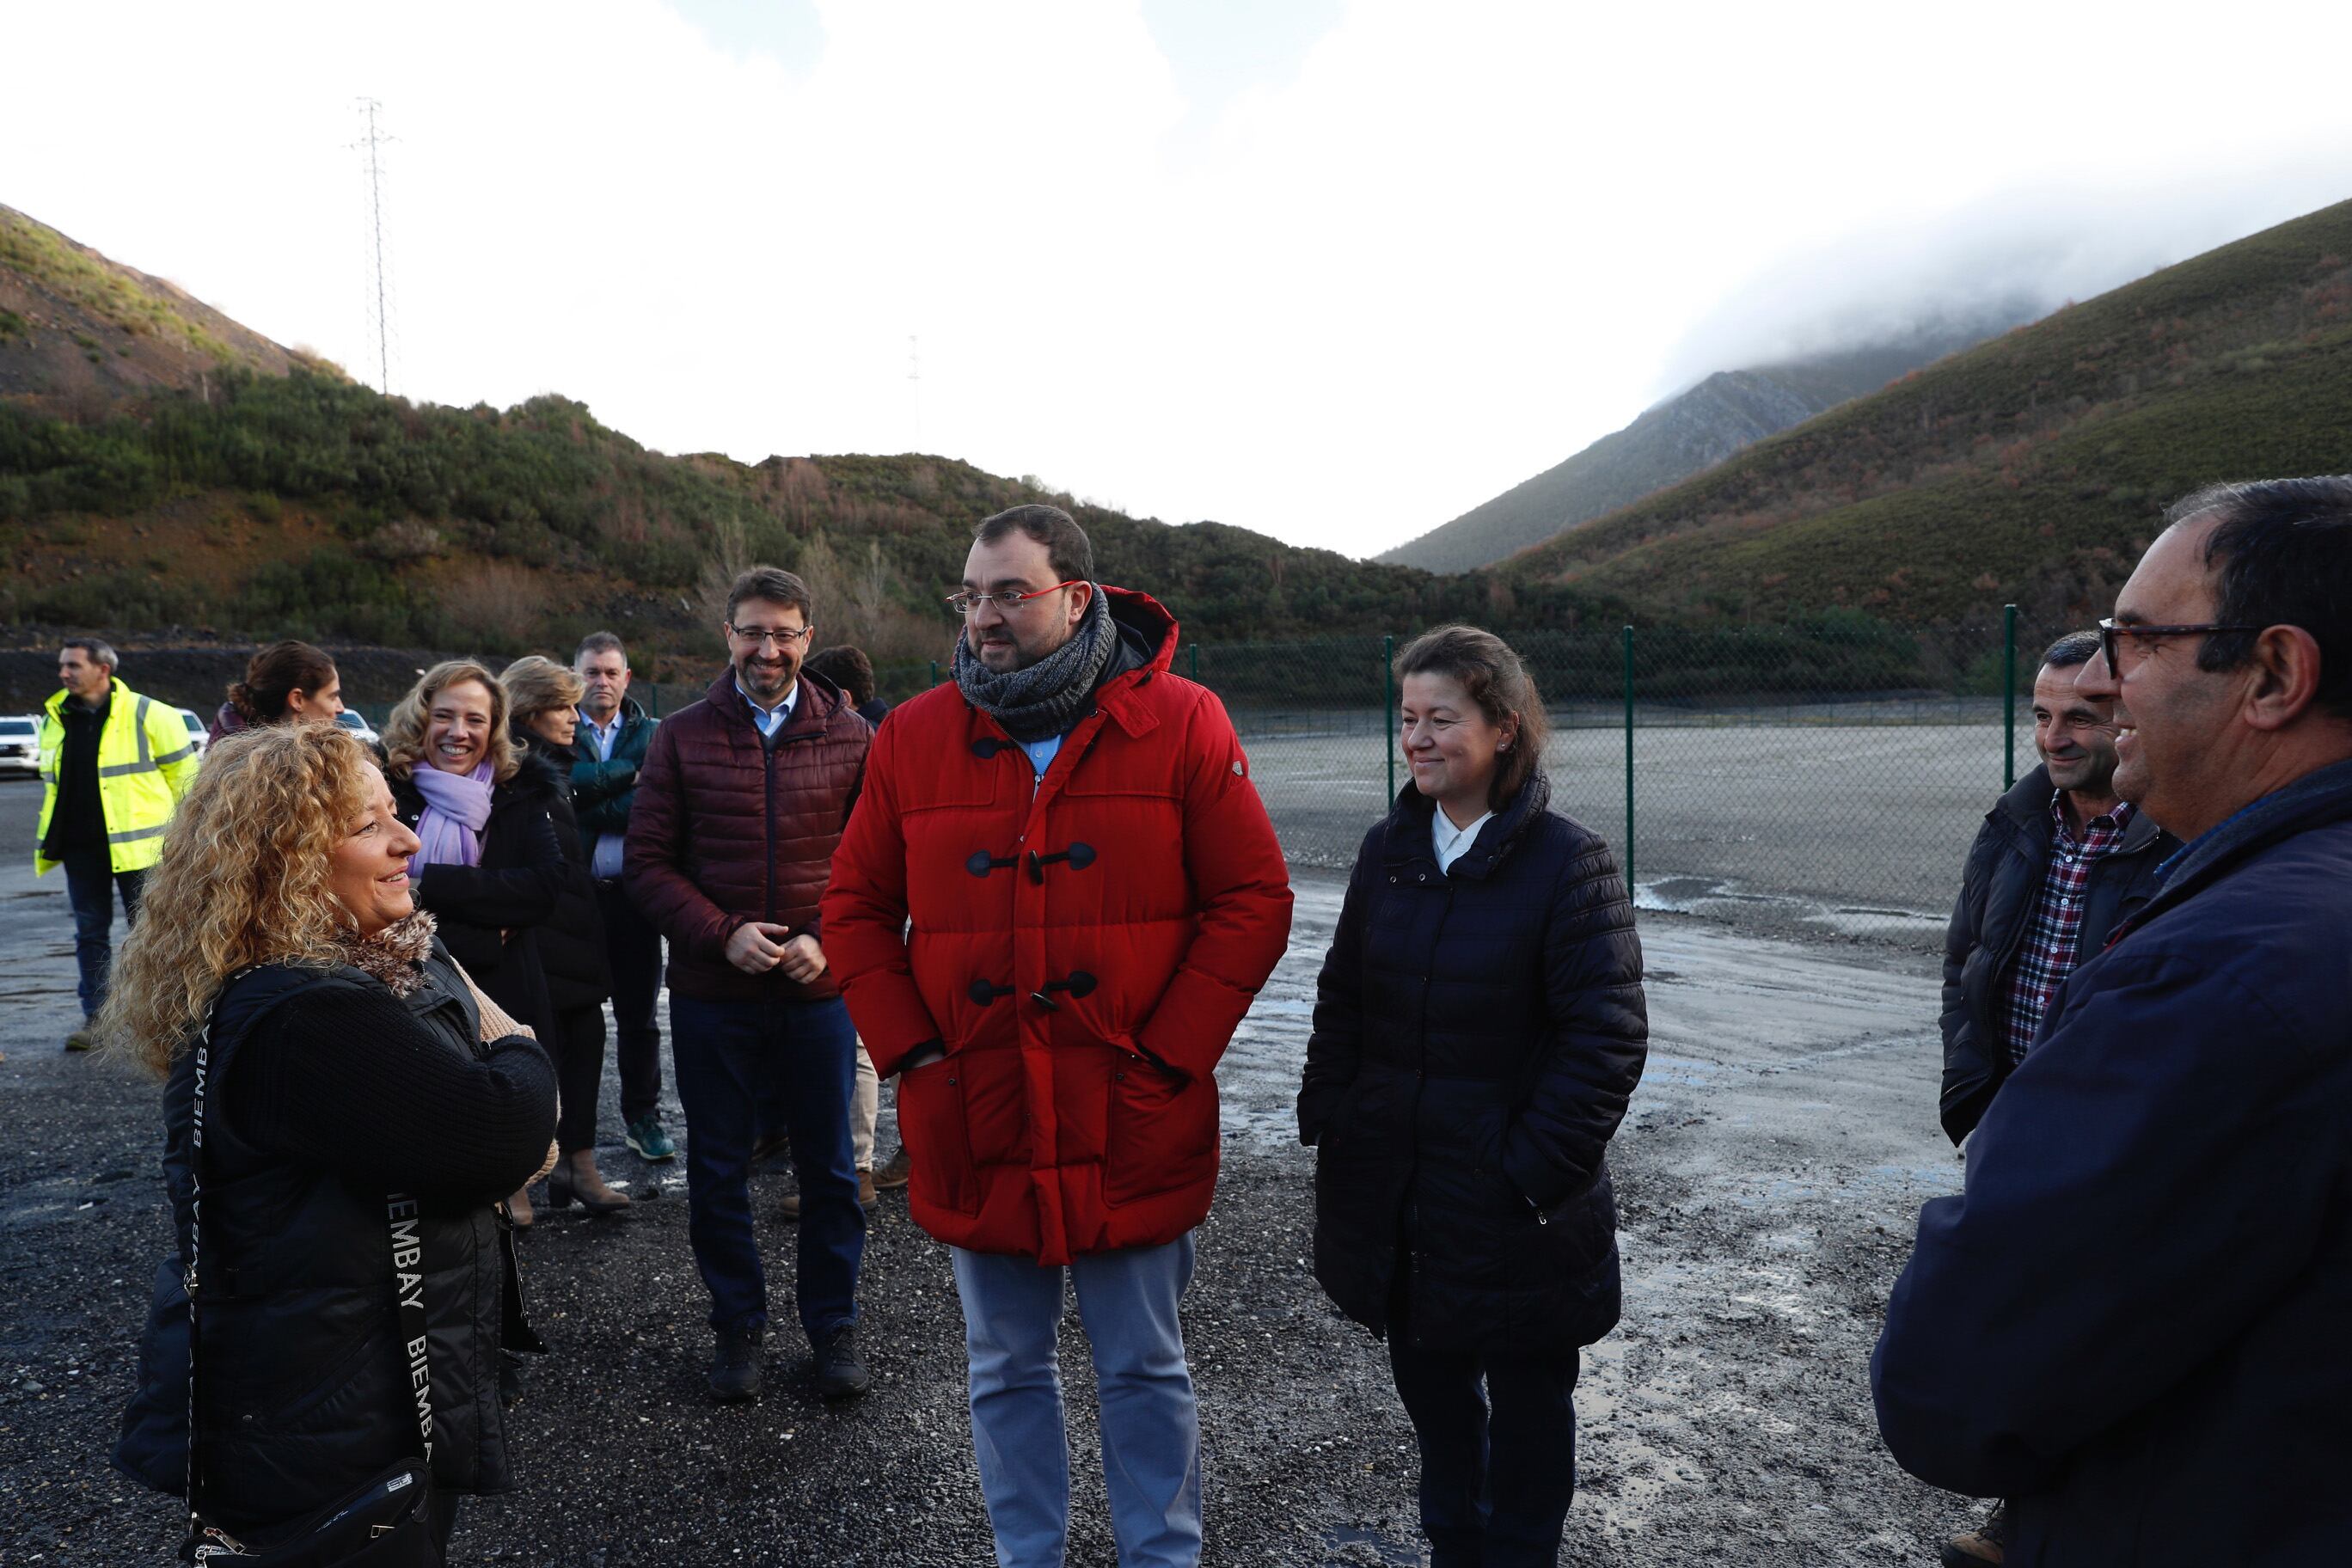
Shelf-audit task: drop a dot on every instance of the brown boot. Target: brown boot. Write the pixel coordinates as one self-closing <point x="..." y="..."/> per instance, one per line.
<point x="866" y="1198"/>
<point x="894" y="1171"/>
<point x="1980" y="1547"/>
<point x="576" y="1179"/>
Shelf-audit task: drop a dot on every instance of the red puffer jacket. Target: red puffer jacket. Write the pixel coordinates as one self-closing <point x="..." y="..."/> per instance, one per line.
<point x="726" y="830"/>
<point x="1083" y="946"/>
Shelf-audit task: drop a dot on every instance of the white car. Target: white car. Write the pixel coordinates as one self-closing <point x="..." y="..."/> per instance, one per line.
<point x="198" y="733"/>
<point x="350" y="719"/>
<point x="20" y="744"/>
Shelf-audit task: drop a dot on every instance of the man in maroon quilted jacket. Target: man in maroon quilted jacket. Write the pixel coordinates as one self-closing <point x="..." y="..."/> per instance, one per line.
<point x="1096" y="895"/>
<point x="740" y="804"/>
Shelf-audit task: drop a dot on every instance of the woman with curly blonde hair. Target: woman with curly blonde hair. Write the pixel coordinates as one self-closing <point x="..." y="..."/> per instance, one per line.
<point x="347" y="1078"/>
<point x="491" y="867"/>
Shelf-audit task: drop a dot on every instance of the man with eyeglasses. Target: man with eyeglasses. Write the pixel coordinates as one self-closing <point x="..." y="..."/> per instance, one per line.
<point x="741" y="803"/>
<point x="2132" y="1321"/>
<point x="1095" y="896"/>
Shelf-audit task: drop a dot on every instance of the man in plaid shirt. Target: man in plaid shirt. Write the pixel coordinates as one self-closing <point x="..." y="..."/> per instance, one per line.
<point x="2058" y="863"/>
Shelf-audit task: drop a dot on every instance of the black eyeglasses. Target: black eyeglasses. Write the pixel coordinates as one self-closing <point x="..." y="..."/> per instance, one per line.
<point x="2111" y="633"/>
<point x="783" y="636"/>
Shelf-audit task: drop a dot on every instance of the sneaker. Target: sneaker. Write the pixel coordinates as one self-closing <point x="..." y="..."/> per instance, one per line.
<point x="735" y="1369"/>
<point x="1980" y="1547"/>
<point x="894" y="1171"/>
<point x="648" y="1142"/>
<point x="839" y="1373"/>
<point x="81" y="1039"/>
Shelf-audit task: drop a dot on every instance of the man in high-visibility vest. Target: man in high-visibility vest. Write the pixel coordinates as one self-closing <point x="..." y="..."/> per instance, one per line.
<point x="113" y="766"/>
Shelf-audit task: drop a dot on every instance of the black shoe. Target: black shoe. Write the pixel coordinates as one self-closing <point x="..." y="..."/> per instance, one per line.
<point x="839" y="1373"/>
<point x="735" y="1370"/>
<point x="788" y="1209"/>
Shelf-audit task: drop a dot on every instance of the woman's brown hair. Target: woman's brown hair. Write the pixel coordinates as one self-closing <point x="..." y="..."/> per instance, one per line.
<point x="1492" y="676"/>
<point x="276" y="673"/>
<point x="537" y="685"/>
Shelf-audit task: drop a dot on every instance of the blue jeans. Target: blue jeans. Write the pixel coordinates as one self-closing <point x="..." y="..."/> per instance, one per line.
<point x="91" y="884"/>
<point x="1150" y="1426"/>
<point x="1495" y="1482"/>
<point x="728" y="1057"/>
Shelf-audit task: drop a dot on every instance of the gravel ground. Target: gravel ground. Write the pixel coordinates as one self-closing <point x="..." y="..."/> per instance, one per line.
<point x="1769" y="1174"/>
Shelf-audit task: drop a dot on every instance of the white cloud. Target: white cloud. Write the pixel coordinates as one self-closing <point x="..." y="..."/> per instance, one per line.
<point x="1449" y="248"/>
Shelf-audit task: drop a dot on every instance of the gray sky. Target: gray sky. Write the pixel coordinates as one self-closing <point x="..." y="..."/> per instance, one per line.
<point x="1334" y="269"/>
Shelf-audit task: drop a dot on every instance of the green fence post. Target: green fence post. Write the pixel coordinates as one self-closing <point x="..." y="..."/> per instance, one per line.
<point x="1629" y="761"/>
<point x="1388" y="704"/>
<point x="935" y="672"/>
<point x="1196" y="664"/>
<point x="2009" y="697"/>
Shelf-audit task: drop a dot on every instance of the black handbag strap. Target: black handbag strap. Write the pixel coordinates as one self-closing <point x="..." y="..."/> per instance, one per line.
<point x="407" y="1252"/>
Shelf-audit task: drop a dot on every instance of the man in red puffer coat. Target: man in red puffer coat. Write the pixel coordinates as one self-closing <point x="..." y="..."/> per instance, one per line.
<point x="1096" y="895"/>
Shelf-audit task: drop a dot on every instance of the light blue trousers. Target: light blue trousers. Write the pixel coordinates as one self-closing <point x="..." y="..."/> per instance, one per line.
<point x="1150" y="1426"/>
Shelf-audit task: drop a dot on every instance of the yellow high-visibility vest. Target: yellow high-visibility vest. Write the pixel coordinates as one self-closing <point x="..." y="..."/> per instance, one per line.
<point x="146" y="759"/>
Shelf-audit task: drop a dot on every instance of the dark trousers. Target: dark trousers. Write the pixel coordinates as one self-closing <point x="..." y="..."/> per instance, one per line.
<point x="633" y="948"/>
<point x="91" y="884"/>
<point x="729" y="1056"/>
<point x="1495" y="1482"/>
<point x="579" y="1075"/>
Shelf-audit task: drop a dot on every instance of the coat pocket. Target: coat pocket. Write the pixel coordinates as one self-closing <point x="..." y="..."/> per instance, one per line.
<point x="939" y="1144"/>
<point x="1159" y="1132"/>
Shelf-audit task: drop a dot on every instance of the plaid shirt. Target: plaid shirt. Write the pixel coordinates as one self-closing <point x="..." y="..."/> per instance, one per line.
<point x="2055" y="928"/>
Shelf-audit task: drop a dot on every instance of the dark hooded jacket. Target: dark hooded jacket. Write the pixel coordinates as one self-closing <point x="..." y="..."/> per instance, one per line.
<point x="307" y="1389"/>
<point x="730" y="827"/>
<point x="1476" y="1036"/>
<point x="518" y="888"/>
<point x="2131" y="1323"/>
<point x="1999" y="885"/>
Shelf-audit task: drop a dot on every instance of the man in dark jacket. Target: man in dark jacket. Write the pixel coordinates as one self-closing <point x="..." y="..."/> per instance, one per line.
<point x="2059" y="862"/>
<point x="2131" y="1322"/>
<point x="611" y="745"/>
<point x="743" y="797"/>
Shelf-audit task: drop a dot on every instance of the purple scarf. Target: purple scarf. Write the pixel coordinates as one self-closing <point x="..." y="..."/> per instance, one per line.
<point x="456" y="806"/>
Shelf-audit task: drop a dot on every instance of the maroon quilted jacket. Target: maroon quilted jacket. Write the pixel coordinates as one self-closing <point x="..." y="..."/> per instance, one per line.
<point x="726" y="830"/>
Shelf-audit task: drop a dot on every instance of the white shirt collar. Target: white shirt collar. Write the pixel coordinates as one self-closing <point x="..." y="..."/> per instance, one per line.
<point x="1450" y="842"/>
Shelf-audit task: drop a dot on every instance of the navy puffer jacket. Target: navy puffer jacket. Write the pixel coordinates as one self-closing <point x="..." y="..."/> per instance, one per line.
<point x="1476" y="1036"/>
<point x="2131" y="1324"/>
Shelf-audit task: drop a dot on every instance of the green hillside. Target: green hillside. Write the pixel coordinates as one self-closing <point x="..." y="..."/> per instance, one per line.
<point x="2032" y="468"/>
<point x="307" y="505"/>
<point x="1686" y="434"/>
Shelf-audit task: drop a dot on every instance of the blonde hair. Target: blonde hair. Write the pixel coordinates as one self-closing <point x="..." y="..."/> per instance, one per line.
<point x="535" y="685"/>
<point x="243" y="881"/>
<point x="403" y="732"/>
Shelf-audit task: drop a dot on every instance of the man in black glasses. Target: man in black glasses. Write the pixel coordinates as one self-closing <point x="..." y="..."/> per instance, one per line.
<point x="742" y="799"/>
<point x="2132" y="1323"/>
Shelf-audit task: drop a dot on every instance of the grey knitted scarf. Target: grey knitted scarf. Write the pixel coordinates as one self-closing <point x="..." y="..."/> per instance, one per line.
<point x="1047" y="696"/>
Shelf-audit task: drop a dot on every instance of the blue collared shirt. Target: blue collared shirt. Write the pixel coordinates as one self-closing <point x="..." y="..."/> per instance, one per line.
<point x="770" y="719"/>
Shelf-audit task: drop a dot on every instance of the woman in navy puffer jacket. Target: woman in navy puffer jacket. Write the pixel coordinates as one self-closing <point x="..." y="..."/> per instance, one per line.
<point x="1478" y="1028"/>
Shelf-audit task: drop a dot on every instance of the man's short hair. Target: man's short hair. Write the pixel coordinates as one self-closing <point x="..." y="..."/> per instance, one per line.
<point x="2073" y="648"/>
<point x="2282" y="550"/>
<point x="1067" y="550"/>
<point x="101" y="651"/>
<point x="774" y="584"/>
<point x="846" y="667"/>
<point x="601" y="642"/>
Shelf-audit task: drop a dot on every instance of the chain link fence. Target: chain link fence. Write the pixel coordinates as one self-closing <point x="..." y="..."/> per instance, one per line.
<point x="1819" y="782"/>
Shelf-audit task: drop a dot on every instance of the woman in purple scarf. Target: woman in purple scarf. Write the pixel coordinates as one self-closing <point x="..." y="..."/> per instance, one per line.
<point x="490" y="867"/>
